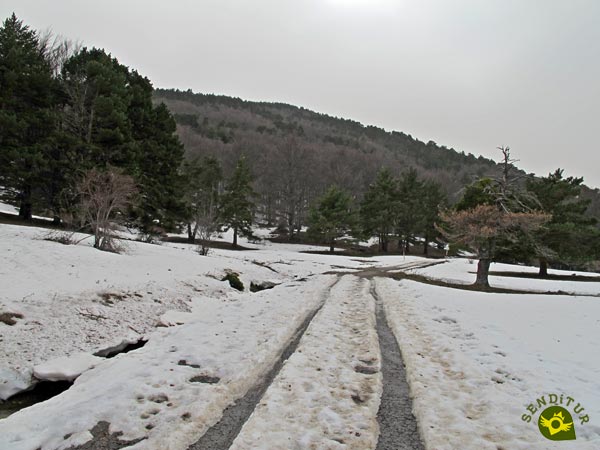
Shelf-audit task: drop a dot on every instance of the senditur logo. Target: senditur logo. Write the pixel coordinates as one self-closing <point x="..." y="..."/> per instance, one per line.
<point x="555" y="422"/>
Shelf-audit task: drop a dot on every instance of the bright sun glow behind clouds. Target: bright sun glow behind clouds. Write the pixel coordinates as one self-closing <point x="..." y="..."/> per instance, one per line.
<point x="365" y="5"/>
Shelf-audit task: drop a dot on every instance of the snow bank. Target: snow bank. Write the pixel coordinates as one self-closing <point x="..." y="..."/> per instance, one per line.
<point x="66" y="367"/>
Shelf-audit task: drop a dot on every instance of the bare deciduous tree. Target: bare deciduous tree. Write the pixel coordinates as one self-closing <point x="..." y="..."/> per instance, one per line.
<point x="104" y="195"/>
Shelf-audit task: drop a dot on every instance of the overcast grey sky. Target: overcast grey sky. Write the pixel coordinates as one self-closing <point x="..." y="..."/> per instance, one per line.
<point x="468" y="74"/>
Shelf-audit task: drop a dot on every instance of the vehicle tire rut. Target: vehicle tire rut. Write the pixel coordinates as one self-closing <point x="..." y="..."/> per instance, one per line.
<point x="221" y="435"/>
<point x="398" y="428"/>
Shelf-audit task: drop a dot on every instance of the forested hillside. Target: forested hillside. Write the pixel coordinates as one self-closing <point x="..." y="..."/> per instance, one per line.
<point x="284" y="141"/>
<point x="295" y="152"/>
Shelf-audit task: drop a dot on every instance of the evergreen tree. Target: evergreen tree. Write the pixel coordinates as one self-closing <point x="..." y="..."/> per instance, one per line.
<point x="98" y="94"/>
<point x="495" y="215"/>
<point x="480" y="192"/>
<point x="570" y="236"/>
<point x="432" y="200"/>
<point x="26" y="115"/>
<point x="379" y="209"/>
<point x="110" y="113"/>
<point x="202" y="181"/>
<point x="410" y="208"/>
<point x="332" y="217"/>
<point x="481" y="228"/>
<point x="160" y="156"/>
<point x="237" y="209"/>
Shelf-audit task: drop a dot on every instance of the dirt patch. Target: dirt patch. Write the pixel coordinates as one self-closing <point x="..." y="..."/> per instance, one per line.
<point x="472" y="287"/>
<point x="536" y="276"/>
<point x="210" y="244"/>
<point x="8" y="318"/>
<point x="257" y="287"/>
<point x="265" y="265"/>
<point x="183" y="362"/>
<point x="103" y="440"/>
<point x="205" y="379"/>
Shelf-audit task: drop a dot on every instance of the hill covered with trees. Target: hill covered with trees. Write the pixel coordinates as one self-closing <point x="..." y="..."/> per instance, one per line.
<point x="333" y="150"/>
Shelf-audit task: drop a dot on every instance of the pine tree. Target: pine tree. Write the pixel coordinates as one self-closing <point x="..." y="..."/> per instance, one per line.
<point x="410" y="207"/>
<point x="432" y="200"/>
<point x="98" y="96"/>
<point x="26" y="114"/>
<point x="237" y="209"/>
<point x="202" y="181"/>
<point x="480" y="228"/>
<point x="332" y="217"/>
<point x="379" y="209"/>
<point x="570" y="235"/>
<point x="109" y="111"/>
<point x="494" y="215"/>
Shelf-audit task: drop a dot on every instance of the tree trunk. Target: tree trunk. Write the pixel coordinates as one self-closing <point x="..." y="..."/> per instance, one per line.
<point x="235" y="233"/>
<point x="543" y="267"/>
<point x="407" y="246"/>
<point x="25" y="208"/>
<point x="384" y="245"/>
<point x="191" y="237"/>
<point x="426" y="246"/>
<point x="483" y="270"/>
<point x="291" y="219"/>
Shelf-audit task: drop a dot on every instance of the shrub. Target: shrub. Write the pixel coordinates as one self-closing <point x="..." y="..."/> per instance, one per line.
<point x="234" y="281"/>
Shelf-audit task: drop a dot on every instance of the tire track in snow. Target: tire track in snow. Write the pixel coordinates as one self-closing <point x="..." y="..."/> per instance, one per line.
<point x="221" y="435"/>
<point x="327" y="394"/>
<point x="398" y="428"/>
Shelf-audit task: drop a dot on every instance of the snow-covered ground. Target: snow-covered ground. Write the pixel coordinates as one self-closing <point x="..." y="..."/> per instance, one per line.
<point x="327" y="395"/>
<point x="463" y="271"/>
<point x="475" y="361"/>
<point x="77" y="299"/>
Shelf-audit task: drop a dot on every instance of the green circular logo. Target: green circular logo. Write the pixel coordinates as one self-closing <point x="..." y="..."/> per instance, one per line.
<point x="556" y="424"/>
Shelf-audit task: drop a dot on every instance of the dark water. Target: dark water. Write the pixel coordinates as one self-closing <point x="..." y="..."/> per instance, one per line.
<point x="41" y="392"/>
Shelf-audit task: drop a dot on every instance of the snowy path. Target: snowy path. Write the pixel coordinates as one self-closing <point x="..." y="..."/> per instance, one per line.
<point x="221" y="435"/>
<point x="195" y="386"/>
<point x="398" y="428"/>
<point x="327" y="395"/>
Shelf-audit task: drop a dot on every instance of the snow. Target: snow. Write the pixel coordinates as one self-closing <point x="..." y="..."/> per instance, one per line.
<point x="319" y="399"/>
<point x="66" y="367"/>
<point x="149" y="392"/>
<point x="14" y="381"/>
<point x="463" y="271"/>
<point x="77" y="299"/>
<point x="476" y="360"/>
